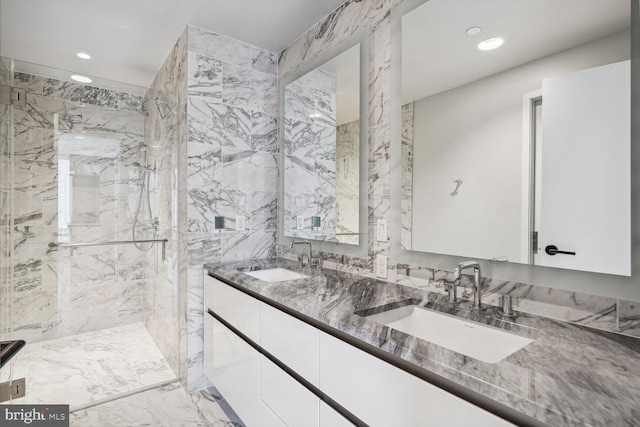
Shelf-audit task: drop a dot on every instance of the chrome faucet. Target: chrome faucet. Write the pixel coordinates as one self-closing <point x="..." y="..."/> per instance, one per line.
<point x="301" y="257"/>
<point x="477" y="303"/>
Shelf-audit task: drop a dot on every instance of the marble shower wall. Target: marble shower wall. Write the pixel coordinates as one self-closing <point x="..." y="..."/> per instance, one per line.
<point x="74" y="180"/>
<point x="609" y="314"/>
<point x="223" y="163"/>
<point x="310" y="155"/>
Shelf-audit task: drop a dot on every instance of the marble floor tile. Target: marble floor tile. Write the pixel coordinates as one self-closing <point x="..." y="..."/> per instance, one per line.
<point x="88" y="367"/>
<point x="168" y="406"/>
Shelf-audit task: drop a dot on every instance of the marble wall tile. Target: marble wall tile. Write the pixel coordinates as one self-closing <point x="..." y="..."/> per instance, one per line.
<point x="237" y="85"/>
<point x="29" y="82"/>
<point x="204" y="160"/>
<point x="131" y="262"/>
<point x="264" y="60"/>
<point x="264" y="132"/>
<point x="219" y="125"/>
<point x="205" y="77"/>
<point x="299" y="102"/>
<point x="201" y="208"/>
<point x="27" y="274"/>
<point x="4" y="209"/>
<point x="202" y="248"/>
<point x="264" y="208"/>
<point x="219" y="47"/>
<point x="380" y="73"/>
<point x="317" y="79"/>
<point x="92" y="264"/>
<point x="27" y="208"/>
<point x="77" y="92"/>
<point x="264" y="88"/>
<point x="48" y="113"/>
<point x="36" y="144"/>
<point x="112" y="123"/>
<point x="195" y="325"/>
<point x="26" y="309"/>
<point x="242" y="245"/>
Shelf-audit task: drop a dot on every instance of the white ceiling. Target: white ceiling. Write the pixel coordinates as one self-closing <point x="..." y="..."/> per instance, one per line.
<point x="130" y="39"/>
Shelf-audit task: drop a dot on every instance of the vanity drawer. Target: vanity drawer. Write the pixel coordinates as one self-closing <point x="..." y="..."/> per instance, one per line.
<point x="290" y="400"/>
<point x="235" y="371"/>
<point x="291" y="341"/>
<point x="329" y="417"/>
<point x="237" y="308"/>
<point x="382" y="395"/>
<point x="268" y="418"/>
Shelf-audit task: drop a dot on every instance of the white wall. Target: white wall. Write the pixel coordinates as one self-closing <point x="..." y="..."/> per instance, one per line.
<point x="474" y="133"/>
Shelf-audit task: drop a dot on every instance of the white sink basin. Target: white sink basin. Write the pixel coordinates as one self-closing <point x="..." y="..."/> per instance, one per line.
<point x="275" y="274"/>
<point x="472" y="339"/>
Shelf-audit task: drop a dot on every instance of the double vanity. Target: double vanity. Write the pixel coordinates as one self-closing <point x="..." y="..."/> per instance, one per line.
<point x="291" y="346"/>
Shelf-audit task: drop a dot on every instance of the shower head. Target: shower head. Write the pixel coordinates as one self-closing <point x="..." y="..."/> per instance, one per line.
<point x="141" y="106"/>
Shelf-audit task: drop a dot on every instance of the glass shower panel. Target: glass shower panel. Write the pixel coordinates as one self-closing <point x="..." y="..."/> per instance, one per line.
<point x="78" y="171"/>
<point x="5" y="210"/>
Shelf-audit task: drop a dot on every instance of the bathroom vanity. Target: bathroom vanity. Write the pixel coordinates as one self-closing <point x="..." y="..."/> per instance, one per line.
<point x="316" y="350"/>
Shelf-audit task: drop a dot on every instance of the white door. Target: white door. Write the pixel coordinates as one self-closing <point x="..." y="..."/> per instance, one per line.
<point x="585" y="170"/>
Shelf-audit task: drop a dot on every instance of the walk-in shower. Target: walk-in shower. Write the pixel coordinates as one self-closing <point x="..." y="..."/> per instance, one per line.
<point x="81" y="182"/>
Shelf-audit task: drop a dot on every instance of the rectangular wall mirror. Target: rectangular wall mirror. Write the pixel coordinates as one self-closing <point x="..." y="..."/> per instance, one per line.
<point x="516" y="132"/>
<point x="321" y="150"/>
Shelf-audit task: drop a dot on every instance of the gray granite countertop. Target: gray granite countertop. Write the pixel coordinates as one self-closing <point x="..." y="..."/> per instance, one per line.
<point x="570" y="375"/>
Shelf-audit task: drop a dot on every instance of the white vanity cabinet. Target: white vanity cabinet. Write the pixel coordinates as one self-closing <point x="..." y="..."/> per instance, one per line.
<point x="237" y="308"/>
<point x="235" y="371"/>
<point x="329" y="417"/>
<point x="287" y="398"/>
<point x="382" y="395"/>
<point x="230" y="363"/>
<point x="263" y="394"/>
<point x="293" y="342"/>
<point x="268" y="418"/>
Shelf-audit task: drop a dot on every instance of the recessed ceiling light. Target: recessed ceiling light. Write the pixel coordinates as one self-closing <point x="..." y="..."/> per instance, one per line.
<point x="81" y="79"/>
<point x="492" y="43"/>
<point x="83" y="55"/>
<point x="473" y="31"/>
